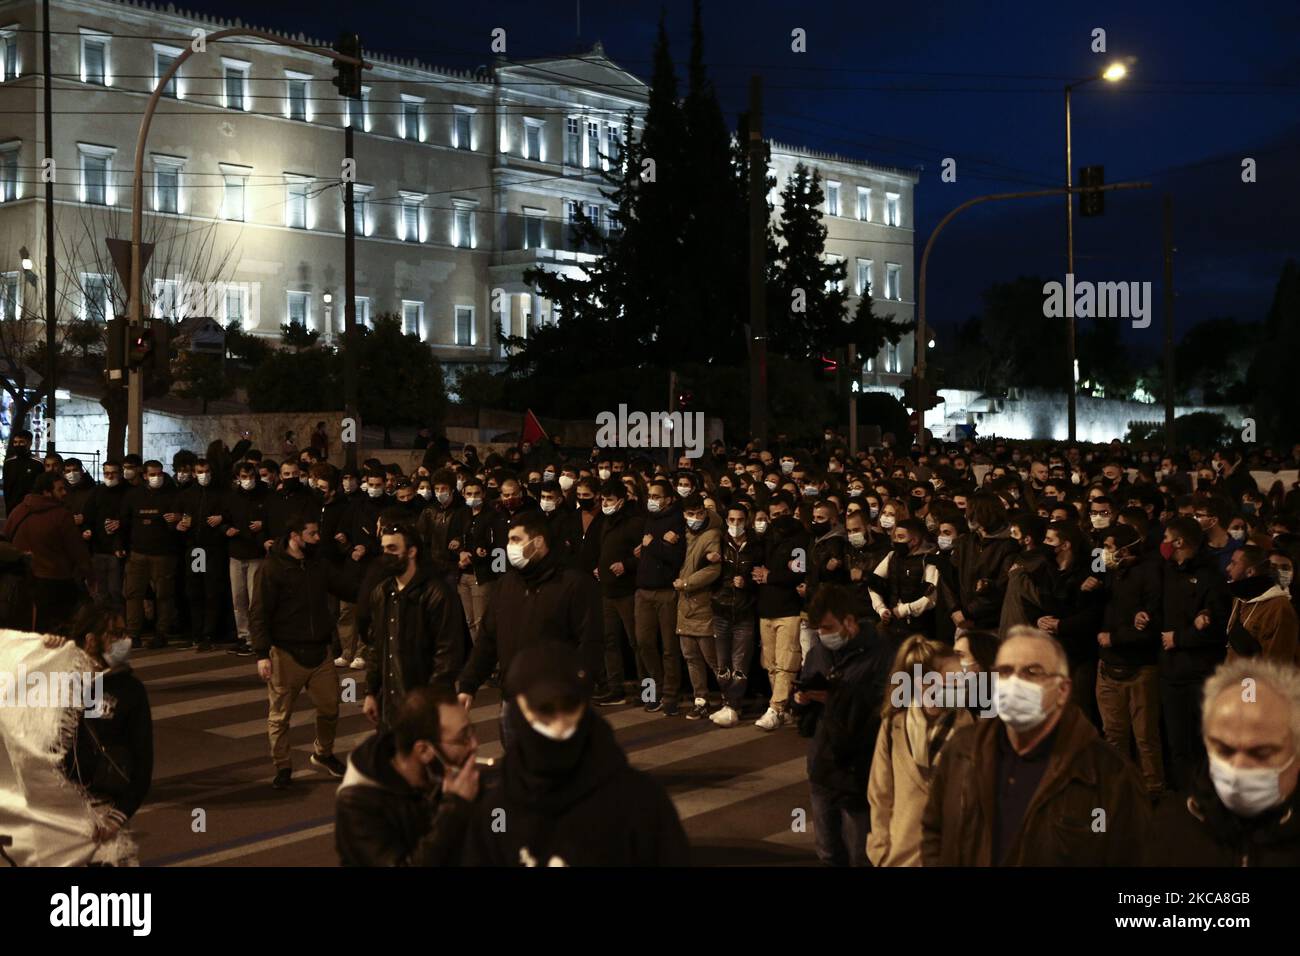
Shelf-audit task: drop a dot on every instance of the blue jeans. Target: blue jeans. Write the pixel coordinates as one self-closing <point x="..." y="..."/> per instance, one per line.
<point x="841" y="834"/>
<point x="733" y="648"/>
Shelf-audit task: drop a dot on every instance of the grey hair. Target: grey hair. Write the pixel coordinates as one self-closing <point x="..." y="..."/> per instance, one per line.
<point x="1283" y="678"/>
<point x="1025" y="630"/>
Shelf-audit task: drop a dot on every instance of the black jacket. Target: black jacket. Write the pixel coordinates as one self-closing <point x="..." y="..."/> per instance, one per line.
<point x="145" y="529"/>
<point x="564" y="533"/>
<point x="620" y="534"/>
<point x="1196" y="829"/>
<point x="201" y="503"/>
<point x="105" y="504"/>
<point x="434" y="526"/>
<point x="1131" y="588"/>
<point x="661" y="562"/>
<point x="602" y="813"/>
<point x="19" y="476"/>
<point x="786" y="539"/>
<point x="285" y="503"/>
<point x="737" y="604"/>
<point x="985" y="560"/>
<point x="1191" y="587"/>
<point x="381" y="820"/>
<point x="544" y="602"/>
<point x="245" y="507"/>
<point x="428" y="622"/>
<point x="113" y="753"/>
<point x="290" y="606"/>
<point x="486" y="530"/>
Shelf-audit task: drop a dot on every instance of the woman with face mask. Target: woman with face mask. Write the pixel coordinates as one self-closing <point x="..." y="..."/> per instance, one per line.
<point x="917" y="721"/>
<point x="113" y="753"/>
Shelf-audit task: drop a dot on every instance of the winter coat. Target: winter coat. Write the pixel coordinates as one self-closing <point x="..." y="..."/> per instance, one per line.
<point x="1191" y="587"/>
<point x="1262" y="622"/>
<point x="695" y="600"/>
<point x="113" y="753"/>
<point x="1130" y="589"/>
<point x="620" y="535"/>
<point x="381" y="820"/>
<point x="104" y="504"/>
<point x="245" y="507"/>
<point x="290" y="606"/>
<point x="736" y="604"/>
<point x="984" y="560"/>
<point x="44" y="528"/>
<point x="786" y="540"/>
<point x="145" y="528"/>
<point x="661" y="562"/>
<point x="899" y="787"/>
<point x="1084" y="774"/>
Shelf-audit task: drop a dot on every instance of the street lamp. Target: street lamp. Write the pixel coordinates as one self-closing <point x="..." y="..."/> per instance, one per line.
<point x="1112" y="74"/>
<point x="27" y="263"/>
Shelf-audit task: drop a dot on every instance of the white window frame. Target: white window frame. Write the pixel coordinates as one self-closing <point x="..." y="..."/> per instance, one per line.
<point x="834" y="285"/>
<point x="174" y="164"/>
<point x="419" y="318"/>
<point x="167" y="291"/>
<point x="9" y="46"/>
<point x="293" y="185"/>
<point x="894" y="279"/>
<point x="15" y="280"/>
<point x="98" y="37"/>
<point x="893" y="209"/>
<point x="893" y="366"/>
<point x="534" y="124"/>
<point x="613" y="138"/>
<point x="361" y="307"/>
<point x="591" y="150"/>
<point x="92" y="151"/>
<point x="468" y="113"/>
<point x="162" y="49"/>
<point x="455" y="325"/>
<point x="242" y="67"/>
<point x="107" y="305"/>
<point x="465" y="208"/>
<point x="864" y="203"/>
<point x="288" y="307"/>
<point x="290" y="78"/>
<point x="864" y="289"/>
<point x="409" y="199"/>
<point x="538" y="215"/>
<point x="230" y="171"/>
<point x="595" y="212"/>
<point x="240" y="291"/>
<point x="365" y="109"/>
<point x="360" y="203"/>
<point x="13" y="149"/>
<point x="573" y="141"/>
<point x="410" y="99"/>
<point x="832" y="198"/>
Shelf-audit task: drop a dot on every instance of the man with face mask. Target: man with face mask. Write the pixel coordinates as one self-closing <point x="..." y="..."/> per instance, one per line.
<point x="409" y="792"/>
<point x="618" y="536"/>
<point x="838" y="704"/>
<point x="417" y="628"/>
<point x="101" y="528"/>
<point x="563" y="521"/>
<point x="1028" y="788"/>
<point x="291" y="632"/>
<point x="1240" y="809"/>
<point x="537" y="600"/>
<point x="694" y="585"/>
<point x="287" y="499"/>
<point x="904" y="586"/>
<point x="42" y="527"/>
<point x="1262" y="621"/>
<point x="444" y="510"/>
<point x="660" y="556"/>
<point x="20" y="469"/>
<point x="567" y="789"/>
<point x="204" y="519"/>
<point x="246" y="507"/>
<point x="783" y="567"/>
<point x="151" y="514"/>
<point x="80" y="487"/>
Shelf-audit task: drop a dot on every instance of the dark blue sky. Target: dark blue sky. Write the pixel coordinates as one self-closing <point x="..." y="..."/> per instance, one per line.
<point x="910" y="83"/>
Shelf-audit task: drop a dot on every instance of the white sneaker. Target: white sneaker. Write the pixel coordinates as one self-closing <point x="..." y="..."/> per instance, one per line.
<point x="358" y="664"/>
<point x="726" y="717"/>
<point x="770" y="720"/>
<point x="341" y="662"/>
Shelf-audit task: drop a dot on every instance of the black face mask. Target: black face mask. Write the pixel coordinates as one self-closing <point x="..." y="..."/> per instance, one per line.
<point x="901" y="548"/>
<point x="393" y="564"/>
<point x="22" y="451"/>
<point x="309" y="550"/>
<point x="821" y="527"/>
<point x="586" y="504"/>
<point x="541" y="758"/>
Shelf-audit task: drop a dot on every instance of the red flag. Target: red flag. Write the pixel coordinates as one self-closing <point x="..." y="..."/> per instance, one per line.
<point x="532" y="432"/>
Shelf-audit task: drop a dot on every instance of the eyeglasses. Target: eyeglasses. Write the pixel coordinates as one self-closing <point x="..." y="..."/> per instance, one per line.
<point x="1034" y="673"/>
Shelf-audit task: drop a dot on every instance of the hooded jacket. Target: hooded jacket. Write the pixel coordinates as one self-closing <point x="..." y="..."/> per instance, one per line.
<point x="694" y="601"/>
<point x="44" y="528"/>
<point x="832" y="546"/>
<point x="1196" y="829"/>
<point x="1084" y="774"/>
<point x="1262" y="622"/>
<point x="575" y="803"/>
<point x="381" y="820"/>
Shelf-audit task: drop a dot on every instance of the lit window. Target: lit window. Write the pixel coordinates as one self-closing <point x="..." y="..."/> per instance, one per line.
<point x="234" y="89"/>
<point x="234" y="305"/>
<point x="8" y="173"/>
<point x="167" y="184"/>
<point x="234" y="201"/>
<point x="10" y="293"/>
<point x="466" y="333"/>
<point x="533" y="233"/>
<point x="892" y="213"/>
<point x="96" y="297"/>
<point x="97" y="175"/>
<point x="94" y="58"/>
<point x="593" y="144"/>
<point x="360" y="109"/>
<point x="295" y="101"/>
<point x="409" y="227"/>
<point x="163" y="58"/>
<point x="462" y="130"/>
<point x="572" y="141"/>
<point x="864" y="277"/>
<point x="832" y="199"/>
<point x="295" y="205"/>
<point x="533" y="139"/>
<point x="413" y="318"/>
<point x="893" y="277"/>
<point x="462" y="229"/>
<point x="864" y="204"/>
<point x="299" y="308"/>
<point x="411" y="124"/>
<point x="362" y="307"/>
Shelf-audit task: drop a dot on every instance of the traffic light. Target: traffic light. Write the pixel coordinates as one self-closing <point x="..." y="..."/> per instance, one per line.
<point x="827" y="367"/>
<point x="347" y="80"/>
<point x="139" y="345"/>
<point x="149" y="342"/>
<point x="115" y="348"/>
<point x="1092" y="204"/>
<point x="684" y="399"/>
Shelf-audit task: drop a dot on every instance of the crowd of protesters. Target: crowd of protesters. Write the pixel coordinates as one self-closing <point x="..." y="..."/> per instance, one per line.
<point x="1117" y="600"/>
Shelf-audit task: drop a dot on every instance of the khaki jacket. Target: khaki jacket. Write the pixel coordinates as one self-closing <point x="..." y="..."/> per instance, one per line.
<point x="695" y="601"/>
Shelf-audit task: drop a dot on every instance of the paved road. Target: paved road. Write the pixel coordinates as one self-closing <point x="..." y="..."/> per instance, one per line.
<point x="737" y="790"/>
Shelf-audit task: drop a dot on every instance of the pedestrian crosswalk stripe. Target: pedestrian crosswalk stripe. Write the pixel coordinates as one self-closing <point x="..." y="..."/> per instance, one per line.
<point x="197" y="705"/>
<point x="234" y="853"/>
<point x="247" y="669"/>
<point x="743" y="786"/>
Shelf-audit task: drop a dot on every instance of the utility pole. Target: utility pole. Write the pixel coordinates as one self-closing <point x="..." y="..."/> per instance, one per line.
<point x="1069" y="267"/>
<point x="51" y="320"/>
<point x="757" y="265"/>
<point x="350" y="336"/>
<point x="1170" y="441"/>
<point x="672" y="407"/>
<point x="855" y="381"/>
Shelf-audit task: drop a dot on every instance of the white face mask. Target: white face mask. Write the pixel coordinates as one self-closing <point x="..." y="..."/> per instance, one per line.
<point x="770" y="485"/>
<point x="735" y="530"/>
<point x="787" y="467"/>
<point x="443" y="497"/>
<point x="1100" y="521"/>
<point x="1237" y="534"/>
<point x="73" y="477"/>
<point x="548" y="476"/>
<point x="887" y="522"/>
<point x="857" y="539"/>
<point x="248" y="484"/>
<point x="652" y="504"/>
<point x="374" y="492"/>
<point x="684" y="490"/>
<point x="945" y="542"/>
<point x="873" y="510"/>
<point x="855" y="492"/>
<point x="832" y="642"/>
<point x="604" y="474"/>
<point x="515" y="553"/>
<point x="1284" y="579"/>
<point x="547" y="504"/>
<point x="695" y="524"/>
<point x="1019" y="703"/>
<point x="117" y="652"/>
<point x="566" y="482"/>
<point x="473" y="502"/>
<point x="155" y="481"/>
<point x="608" y="509"/>
<point x="549" y="733"/>
<point x="760" y="526"/>
<point x="204" y="479"/>
<point x="111" y="482"/>
<point x="425" y="493"/>
<point x="1247" y="792"/>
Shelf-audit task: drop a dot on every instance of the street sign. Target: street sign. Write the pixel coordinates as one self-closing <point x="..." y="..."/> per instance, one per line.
<point x="119" y="250"/>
